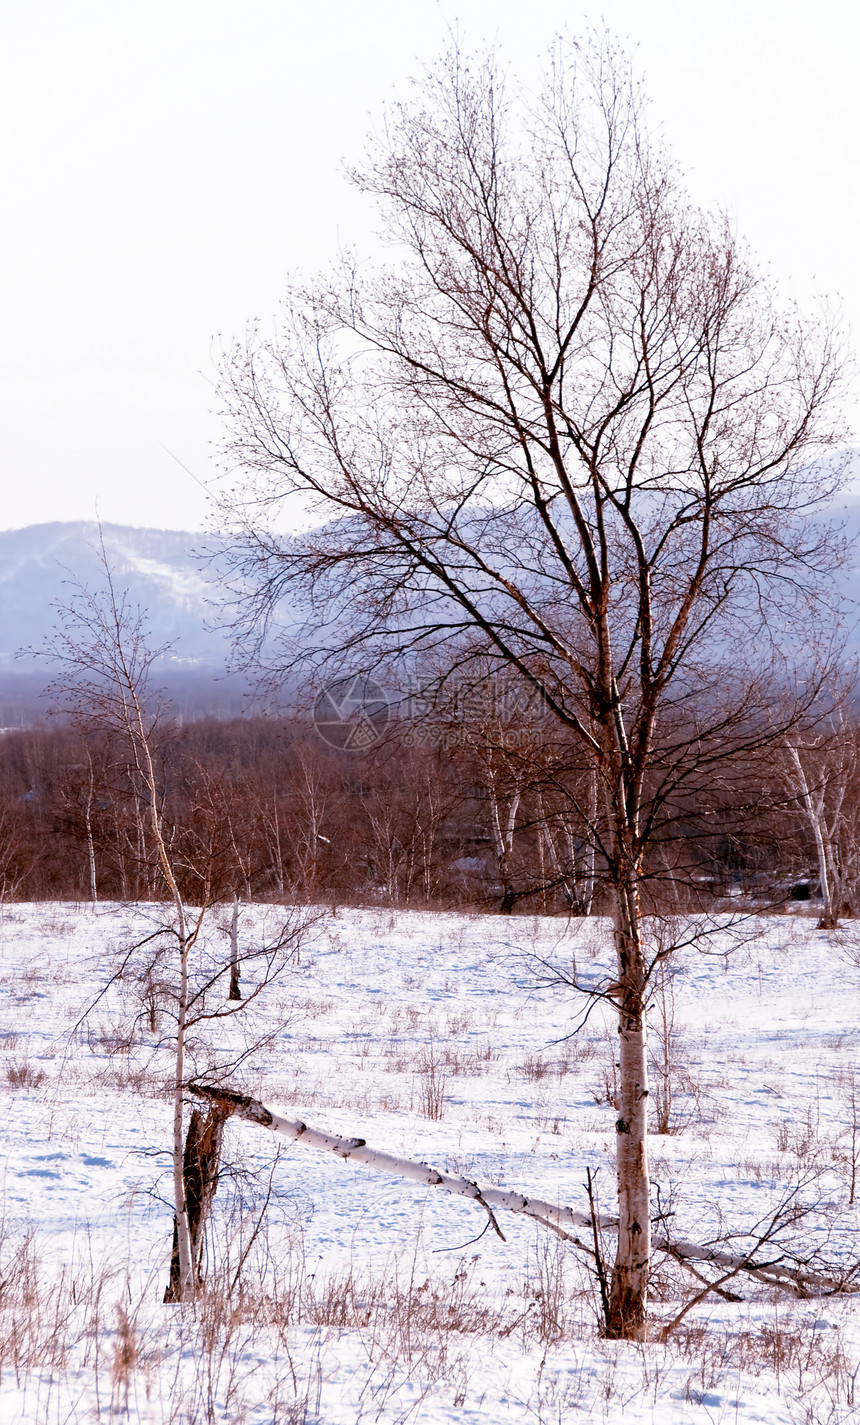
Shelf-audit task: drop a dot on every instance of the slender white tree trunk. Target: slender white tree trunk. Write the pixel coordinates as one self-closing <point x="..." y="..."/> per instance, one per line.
<point x="502" y="832"/>
<point x="279" y="856"/>
<point x="589" y="868"/>
<point x="183" y="1233"/>
<point x="814" y="811"/>
<point x="91" y="850"/>
<point x="234" y="992"/>
<point x="542" y="840"/>
<point x="628" y="1293"/>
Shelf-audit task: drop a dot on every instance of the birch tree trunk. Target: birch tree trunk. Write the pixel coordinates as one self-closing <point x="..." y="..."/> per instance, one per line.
<point x="186" y="1275"/>
<point x="235" y="992"/>
<point x="137" y="727"/>
<point x="590" y="855"/>
<point x="814" y="807"/>
<point x="502" y="831"/>
<point x="278" y="851"/>
<point x="180" y="1206"/>
<point x="628" y="1290"/>
<point x="91" y="850"/>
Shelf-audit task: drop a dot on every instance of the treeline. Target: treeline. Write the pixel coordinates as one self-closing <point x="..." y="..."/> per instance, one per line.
<point x="268" y="810"/>
<point x="254" y="806"/>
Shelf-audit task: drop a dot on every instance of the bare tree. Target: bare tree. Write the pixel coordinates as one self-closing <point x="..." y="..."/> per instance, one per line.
<point x="570" y="423"/>
<point x="105" y="662"/>
<point x="821" y="773"/>
<point x="105" y="665"/>
<point x="489" y="733"/>
<point x="14" y="866"/>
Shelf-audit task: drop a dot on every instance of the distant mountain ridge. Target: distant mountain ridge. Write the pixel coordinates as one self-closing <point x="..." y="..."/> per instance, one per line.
<point x="173" y="576"/>
<point x="158" y="567"/>
<point x="163" y="573"/>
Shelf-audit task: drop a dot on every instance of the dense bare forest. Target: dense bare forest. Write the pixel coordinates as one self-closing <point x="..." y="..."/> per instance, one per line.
<point x="440" y="817"/>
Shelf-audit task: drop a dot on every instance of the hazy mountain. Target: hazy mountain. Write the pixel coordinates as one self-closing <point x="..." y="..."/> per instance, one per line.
<point x="179" y="592"/>
<point x="38" y="567"/>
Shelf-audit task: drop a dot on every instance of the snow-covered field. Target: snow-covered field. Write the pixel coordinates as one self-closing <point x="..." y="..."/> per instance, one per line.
<point x="338" y="1295"/>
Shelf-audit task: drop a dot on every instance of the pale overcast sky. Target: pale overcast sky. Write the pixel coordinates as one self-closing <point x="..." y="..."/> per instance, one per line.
<point x="167" y="163"/>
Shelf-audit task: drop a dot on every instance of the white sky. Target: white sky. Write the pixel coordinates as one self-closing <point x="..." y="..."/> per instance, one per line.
<point x="167" y="163"/>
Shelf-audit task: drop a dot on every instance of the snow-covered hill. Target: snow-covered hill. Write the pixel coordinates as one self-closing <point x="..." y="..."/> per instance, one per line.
<point x="157" y="566"/>
<point x="164" y="575"/>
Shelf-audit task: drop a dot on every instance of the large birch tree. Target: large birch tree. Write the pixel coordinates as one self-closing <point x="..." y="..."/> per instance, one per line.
<point x="568" y="424"/>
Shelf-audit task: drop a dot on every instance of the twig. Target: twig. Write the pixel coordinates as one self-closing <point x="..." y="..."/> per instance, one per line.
<point x="600" y="1266"/>
<point x="732" y="1296"/>
<point x="700" y="1296"/>
<point x="259" y="1223"/>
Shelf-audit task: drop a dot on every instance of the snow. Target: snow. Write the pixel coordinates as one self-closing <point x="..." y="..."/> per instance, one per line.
<point x="344" y="1299"/>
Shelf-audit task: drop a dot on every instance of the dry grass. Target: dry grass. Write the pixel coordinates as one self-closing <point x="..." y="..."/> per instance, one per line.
<point x="244" y="1347"/>
<point x="118" y="1346"/>
<point x="432" y="1079"/>
<point x="22" y="1074"/>
<point x="542" y="1066"/>
<point x="805" y="1357"/>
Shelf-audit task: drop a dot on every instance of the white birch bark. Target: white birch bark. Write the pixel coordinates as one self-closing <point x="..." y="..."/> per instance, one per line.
<point x="632" y="1264"/>
<point x="234" y="991"/>
<point x="278" y="857"/>
<point x="502" y="831"/>
<point x="590" y="865"/>
<point x="91" y="850"/>
<point x="814" y="812"/>
<point x="137" y="727"/>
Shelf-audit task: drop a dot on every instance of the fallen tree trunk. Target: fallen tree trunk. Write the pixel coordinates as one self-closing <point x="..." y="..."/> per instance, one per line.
<point x="798" y="1280"/>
